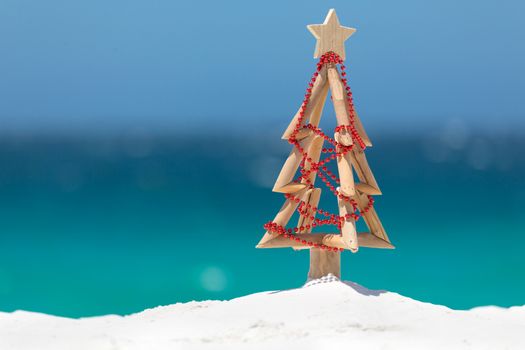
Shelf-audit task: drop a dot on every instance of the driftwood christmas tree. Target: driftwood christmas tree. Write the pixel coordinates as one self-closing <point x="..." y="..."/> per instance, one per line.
<point x="346" y="148"/>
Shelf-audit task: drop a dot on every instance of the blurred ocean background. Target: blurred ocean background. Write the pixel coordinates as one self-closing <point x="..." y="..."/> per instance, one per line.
<point x="139" y="142"/>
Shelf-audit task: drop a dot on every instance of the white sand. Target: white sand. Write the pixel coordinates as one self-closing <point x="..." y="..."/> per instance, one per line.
<point x="324" y="313"/>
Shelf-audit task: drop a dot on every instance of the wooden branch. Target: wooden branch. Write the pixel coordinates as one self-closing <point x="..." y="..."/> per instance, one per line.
<point x="315" y="97"/>
<point x="371" y="218"/>
<point x="340" y="106"/>
<point x="329" y="239"/>
<point x="368" y="183"/>
<point x="348" y="231"/>
<point x="284" y="215"/>
<point x="344" y="167"/>
<point x="284" y="183"/>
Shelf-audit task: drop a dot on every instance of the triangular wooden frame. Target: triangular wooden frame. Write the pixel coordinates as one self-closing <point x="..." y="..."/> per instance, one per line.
<point x="329" y="77"/>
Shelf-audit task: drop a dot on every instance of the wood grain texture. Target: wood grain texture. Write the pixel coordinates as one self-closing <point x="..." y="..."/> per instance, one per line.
<point x="340" y="106"/>
<point x="323" y="262"/>
<point x="371" y="218"/>
<point x="330" y="35"/>
<point x="313" y="200"/>
<point x="317" y="111"/>
<point x="292" y="187"/>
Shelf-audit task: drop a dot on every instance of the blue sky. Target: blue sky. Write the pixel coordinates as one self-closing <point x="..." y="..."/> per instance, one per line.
<point x="102" y="65"/>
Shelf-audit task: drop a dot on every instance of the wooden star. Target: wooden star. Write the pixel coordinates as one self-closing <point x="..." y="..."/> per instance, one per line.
<point x="330" y="35"/>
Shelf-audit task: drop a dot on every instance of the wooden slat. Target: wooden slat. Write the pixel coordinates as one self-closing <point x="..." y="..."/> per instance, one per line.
<point x="344" y="167"/>
<point x="313" y="200"/>
<point x="340" y="107"/>
<point x="315" y="116"/>
<point x="301" y="219"/>
<point x="302" y="134"/>
<point x="366" y="240"/>
<point x="317" y="112"/>
<point x="331" y="240"/>
<point x="364" y="173"/>
<point x="291" y="165"/>
<point x="348" y="231"/>
<point x="314" y="153"/>
<point x="361" y="130"/>
<point x="289" y="130"/>
<point x="290" y="188"/>
<point x="366" y="188"/>
<point x="284" y="215"/>
<point x="371" y="218"/>
<point x="337" y="90"/>
<point x="316" y="97"/>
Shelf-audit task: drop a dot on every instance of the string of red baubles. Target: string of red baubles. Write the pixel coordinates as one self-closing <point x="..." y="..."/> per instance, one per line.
<point x="305" y="209"/>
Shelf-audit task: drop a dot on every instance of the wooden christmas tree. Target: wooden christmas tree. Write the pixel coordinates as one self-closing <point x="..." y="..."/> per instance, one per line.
<point x="346" y="148"/>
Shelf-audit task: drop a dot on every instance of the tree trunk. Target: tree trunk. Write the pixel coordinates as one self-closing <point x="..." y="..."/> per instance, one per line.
<point x="323" y="262"/>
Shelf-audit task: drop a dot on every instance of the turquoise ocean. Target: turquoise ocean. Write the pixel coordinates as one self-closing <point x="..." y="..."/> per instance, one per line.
<point x="99" y="225"/>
